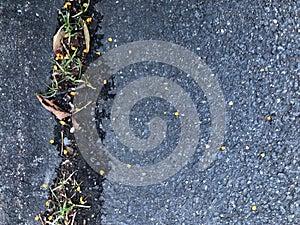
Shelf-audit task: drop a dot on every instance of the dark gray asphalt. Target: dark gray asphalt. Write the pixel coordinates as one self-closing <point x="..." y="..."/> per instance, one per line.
<point x="236" y="40"/>
<point x="27" y="158"/>
<point x="253" y="48"/>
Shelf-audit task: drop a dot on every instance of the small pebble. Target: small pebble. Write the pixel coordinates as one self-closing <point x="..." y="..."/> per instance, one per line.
<point x="72" y="130"/>
<point x="66" y="141"/>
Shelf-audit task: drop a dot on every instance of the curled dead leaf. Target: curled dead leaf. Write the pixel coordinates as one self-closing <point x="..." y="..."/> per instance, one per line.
<point x="86" y="37"/>
<point x="50" y="106"/>
<point x="57" y="40"/>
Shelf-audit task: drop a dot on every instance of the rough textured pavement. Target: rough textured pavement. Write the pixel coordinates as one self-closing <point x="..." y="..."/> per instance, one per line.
<point x="27" y="158"/>
<point x="253" y="48"/>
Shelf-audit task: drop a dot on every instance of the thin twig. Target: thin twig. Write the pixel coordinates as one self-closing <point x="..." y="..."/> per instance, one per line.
<point x="73" y="219"/>
<point x="62" y="143"/>
<point x="83" y="107"/>
<point x="40" y="218"/>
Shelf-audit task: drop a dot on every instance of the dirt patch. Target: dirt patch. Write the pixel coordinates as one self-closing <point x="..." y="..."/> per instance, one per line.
<point x="75" y="195"/>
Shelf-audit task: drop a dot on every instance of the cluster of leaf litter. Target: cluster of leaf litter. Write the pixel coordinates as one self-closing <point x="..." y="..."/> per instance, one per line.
<point x="71" y="44"/>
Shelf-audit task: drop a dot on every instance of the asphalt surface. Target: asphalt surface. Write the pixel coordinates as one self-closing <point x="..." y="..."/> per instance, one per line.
<point x="253" y="50"/>
<point x="27" y="158"/>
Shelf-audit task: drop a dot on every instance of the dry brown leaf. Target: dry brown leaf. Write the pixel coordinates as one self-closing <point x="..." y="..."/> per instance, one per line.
<point x="86" y="37"/>
<point x="57" y="41"/>
<point x="50" y="106"/>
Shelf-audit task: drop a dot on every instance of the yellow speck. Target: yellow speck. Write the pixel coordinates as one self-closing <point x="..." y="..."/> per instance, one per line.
<point x="67" y="4"/>
<point x="78" y="189"/>
<point x="55" y="67"/>
<point x="85" y="50"/>
<point x="101" y="172"/>
<point x="47" y="203"/>
<point x="176" y="113"/>
<point x="85" y="5"/>
<point x="269" y="118"/>
<point x="166" y="88"/>
<point x="37" y="217"/>
<point x="82" y="202"/>
<point x="128" y="166"/>
<point x="88" y="20"/>
<point x="247" y="147"/>
<point x="93" y="215"/>
<point x="65" y="151"/>
<point x="262" y="70"/>
<point x="50" y="217"/>
<point x="67" y="56"/>
<point x="104" y="81"/>
<point x="262" y="154"/>
<point x="98" y="53"/>
<point x="109" y="39"/>
<point x="59" y="57"/>
<point x="62" y="122"/>
<point x="73" y="48"/>
<point x="44" y="185"/>
<point x="51" y="141"/>
<point x="72" y="93"/>
<point x="230" y="103"/>
<point x="253" y="208"/>
<point x="223" y="147"/>
<point x="165" y="113"/>
<point x="129" y="52"/>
